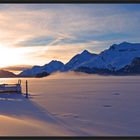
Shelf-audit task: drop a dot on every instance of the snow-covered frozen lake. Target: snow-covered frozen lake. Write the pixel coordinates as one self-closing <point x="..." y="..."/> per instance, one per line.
<point x="74" y="105"/>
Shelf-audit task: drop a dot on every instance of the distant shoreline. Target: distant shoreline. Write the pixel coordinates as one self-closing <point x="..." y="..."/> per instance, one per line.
<point x="107" y="75"/>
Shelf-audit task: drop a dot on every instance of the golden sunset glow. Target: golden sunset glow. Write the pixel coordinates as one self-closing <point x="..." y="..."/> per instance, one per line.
<point x="9" y="56"/>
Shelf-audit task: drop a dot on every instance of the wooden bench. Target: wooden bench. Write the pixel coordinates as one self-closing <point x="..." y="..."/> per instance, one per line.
<point x="11" y="88"/>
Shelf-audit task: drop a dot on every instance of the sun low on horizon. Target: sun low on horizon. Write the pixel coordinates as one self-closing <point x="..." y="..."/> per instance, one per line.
<point x="9" y="56"/>
<point x="35" y="34"/>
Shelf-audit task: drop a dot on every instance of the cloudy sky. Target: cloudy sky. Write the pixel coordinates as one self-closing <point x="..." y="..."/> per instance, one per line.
<point x="34" y="34"/>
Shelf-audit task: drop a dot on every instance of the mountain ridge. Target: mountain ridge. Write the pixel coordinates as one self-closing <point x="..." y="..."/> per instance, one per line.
<point x="6" y="74"/>
<point x="78" y="59"/>
<point x="117" y="59"/>
<point x="51" y="67"/>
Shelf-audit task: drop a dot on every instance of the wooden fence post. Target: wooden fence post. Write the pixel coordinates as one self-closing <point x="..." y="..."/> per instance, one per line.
<point x="26" y="89"/>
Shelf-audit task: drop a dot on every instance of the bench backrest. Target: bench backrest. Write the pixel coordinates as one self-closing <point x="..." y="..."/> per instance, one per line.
<point x="10" y="88"/>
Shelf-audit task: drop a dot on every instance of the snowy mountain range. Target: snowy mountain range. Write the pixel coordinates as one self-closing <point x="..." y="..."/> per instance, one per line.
<point x="51" y="67"/>
<point x="119" y="58"/>
<point x="116" y="57"/>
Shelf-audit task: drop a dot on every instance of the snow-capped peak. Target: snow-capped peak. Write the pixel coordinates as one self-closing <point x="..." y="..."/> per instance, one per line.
<point x="125" y="46"/>
<point x="116" y="57"/>
<point x="85" y="52"/>
<point x="52" y="66"/>
<point x="54" y="62"/>
<point x="78" y="59"/>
